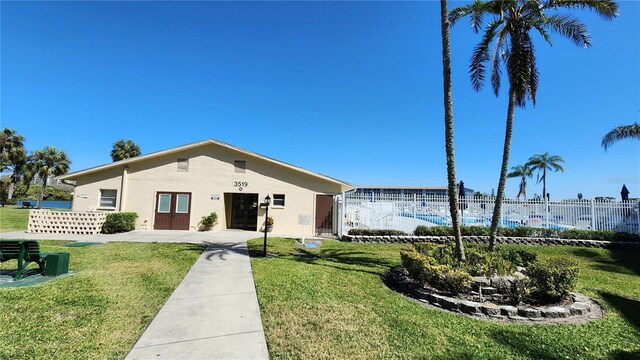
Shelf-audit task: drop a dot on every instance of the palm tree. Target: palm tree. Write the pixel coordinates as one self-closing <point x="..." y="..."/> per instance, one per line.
<point x="13" y="156"/>
<point x="448" y="125"/>
<point x="523" y="172"/>
<point x="48" y="162"/>
<point x="507" y="41"/>
<point x="542" y="162"/>
<point x="124" y="150"/>
<point x="619" y="133"/>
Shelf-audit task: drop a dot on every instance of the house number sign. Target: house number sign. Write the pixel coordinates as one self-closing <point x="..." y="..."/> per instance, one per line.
<point x="240" y="184"/>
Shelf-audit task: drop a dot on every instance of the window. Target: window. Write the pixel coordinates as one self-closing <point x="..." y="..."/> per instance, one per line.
<point x="240" y="166"/>
<point x="108" y="198"/>
<point x="183" y="165"/>
<point x="164" y="203"/>
<point x="278" y="199"/>
<point x="182" y="203"/>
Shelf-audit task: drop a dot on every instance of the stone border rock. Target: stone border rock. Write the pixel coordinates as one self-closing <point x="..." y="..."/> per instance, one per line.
<point x="499" y="240"/>
<point x="581" y="310"/>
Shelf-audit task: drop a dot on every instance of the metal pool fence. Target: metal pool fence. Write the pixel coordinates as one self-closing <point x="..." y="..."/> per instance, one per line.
<point x="406" y="212"/>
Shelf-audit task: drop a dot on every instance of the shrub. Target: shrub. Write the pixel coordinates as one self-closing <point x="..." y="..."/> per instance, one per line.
<point x="518" y="257"/>
<point x="475" y="230"/>
<point x="209" y="221"/>
<point x="119" y="222"/>
<point x="425" y="248"/>
<point x="554" y="278"/>
<point x="518" y="289"/>
<point x="427" y="270"/>
<point x="445" y="278"/>
<point x="415" y="264"/>
<point x="422" y="230"/>
<point x="376" y="232"/>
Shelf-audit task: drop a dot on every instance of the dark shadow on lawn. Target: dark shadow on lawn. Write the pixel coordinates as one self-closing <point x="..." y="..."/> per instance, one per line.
<point x="621" y="261"/>
<point x="629" y="309"/>
<point x="625" y="355"/>
<point x="356" y="261"/>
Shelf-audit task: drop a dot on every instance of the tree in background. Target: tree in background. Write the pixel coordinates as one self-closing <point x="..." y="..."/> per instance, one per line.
<point x="448" y="125"/>
<point x="48" y="162"/>
<point x="523" y="172"/>
<point x="619" y="133"/>
<point x="124" y="150"/>
<point x="508" y="40"/>
<point x="13" y="157"/>
<point x="542" y="163"/>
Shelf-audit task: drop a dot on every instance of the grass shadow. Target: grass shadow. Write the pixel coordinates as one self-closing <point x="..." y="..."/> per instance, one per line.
<point x="629" y="309"/>
<point x="618" y="261"/>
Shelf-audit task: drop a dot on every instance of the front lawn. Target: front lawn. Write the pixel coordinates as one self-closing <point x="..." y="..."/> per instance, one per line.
<point x="13" y="219"/>
<point x="99" y="312"/>
<point x="336" y="306"/>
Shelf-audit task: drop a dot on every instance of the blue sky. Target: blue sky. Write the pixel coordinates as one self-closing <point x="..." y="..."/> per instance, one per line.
<point x="349" y="89"/>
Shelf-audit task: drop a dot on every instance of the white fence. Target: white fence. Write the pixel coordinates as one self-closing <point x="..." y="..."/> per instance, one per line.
<point x="405" y="212"/>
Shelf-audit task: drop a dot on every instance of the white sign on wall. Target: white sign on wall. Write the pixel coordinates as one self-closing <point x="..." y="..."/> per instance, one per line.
<point x="215" y="197"/>
<point x="304" y="219"/>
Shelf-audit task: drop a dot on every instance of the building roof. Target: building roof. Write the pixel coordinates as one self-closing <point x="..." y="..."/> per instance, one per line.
<point x="76" y="174"/>
<point x="387" y="187"/>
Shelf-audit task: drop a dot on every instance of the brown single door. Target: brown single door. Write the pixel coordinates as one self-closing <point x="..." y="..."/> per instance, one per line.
<point x="324" y="214"/>
<point x="173" y="211"/>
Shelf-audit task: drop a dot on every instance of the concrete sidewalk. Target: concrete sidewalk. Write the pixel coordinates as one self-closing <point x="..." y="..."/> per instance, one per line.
<point x="213" y="313"/>
<point x="173" y="236"/>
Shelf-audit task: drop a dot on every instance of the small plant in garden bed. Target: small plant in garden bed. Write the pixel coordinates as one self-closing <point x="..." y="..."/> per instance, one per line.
<point x="208" y="221"/>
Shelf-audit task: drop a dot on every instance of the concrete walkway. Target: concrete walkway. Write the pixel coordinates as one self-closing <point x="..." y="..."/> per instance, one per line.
<point x="213" y="313"/>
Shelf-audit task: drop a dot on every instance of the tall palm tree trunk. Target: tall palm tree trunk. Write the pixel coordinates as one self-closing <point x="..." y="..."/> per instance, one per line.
<point x="448" y="125"/>
<point x="497" y="209"/>
<point x="544" y="184"/>
<point x="41" y="197"/>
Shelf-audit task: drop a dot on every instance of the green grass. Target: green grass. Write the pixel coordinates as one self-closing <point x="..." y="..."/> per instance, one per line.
<point x="337" y="307"/>
<point x="13" y="219"/>
<point x="99" y="312"/>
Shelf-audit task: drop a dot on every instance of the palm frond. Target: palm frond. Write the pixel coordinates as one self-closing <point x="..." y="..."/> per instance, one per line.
<point x="476" y="10"/>
<point x="536" y="25"/>
<point x="619" y="133"/>
<point x="607" y="9"/>
<point x="481" y="55"/>
<point x="569" y="27"/>
<point x="496" y="58"/>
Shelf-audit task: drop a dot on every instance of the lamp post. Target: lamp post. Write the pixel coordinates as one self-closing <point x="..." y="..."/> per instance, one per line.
<point x="267" y="202"/>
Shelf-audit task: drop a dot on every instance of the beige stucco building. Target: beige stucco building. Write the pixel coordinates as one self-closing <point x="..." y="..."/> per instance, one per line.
<point x="175" y="188"/>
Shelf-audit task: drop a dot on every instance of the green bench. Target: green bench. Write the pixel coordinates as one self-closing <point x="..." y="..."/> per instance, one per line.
<point x="25" y="251"/>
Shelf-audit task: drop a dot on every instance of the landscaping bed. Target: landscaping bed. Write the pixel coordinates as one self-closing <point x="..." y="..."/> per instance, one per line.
<point x="335" y="304"/>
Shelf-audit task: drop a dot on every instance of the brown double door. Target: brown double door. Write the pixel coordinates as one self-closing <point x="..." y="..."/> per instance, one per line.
<point x="324" y="214"/>
<point x="173" y="211"/>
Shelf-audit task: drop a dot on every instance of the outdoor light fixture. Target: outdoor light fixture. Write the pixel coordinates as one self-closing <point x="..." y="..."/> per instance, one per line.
<point x="267" y="202"/>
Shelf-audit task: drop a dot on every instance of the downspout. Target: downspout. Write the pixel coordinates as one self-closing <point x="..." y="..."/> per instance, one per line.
<point x="123" y="188"/>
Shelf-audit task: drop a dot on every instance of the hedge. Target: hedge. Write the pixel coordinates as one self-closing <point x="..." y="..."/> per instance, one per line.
<point x="376" y="232"/>
<point x="119" y="222"/>
<point x="604" y="235"/>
